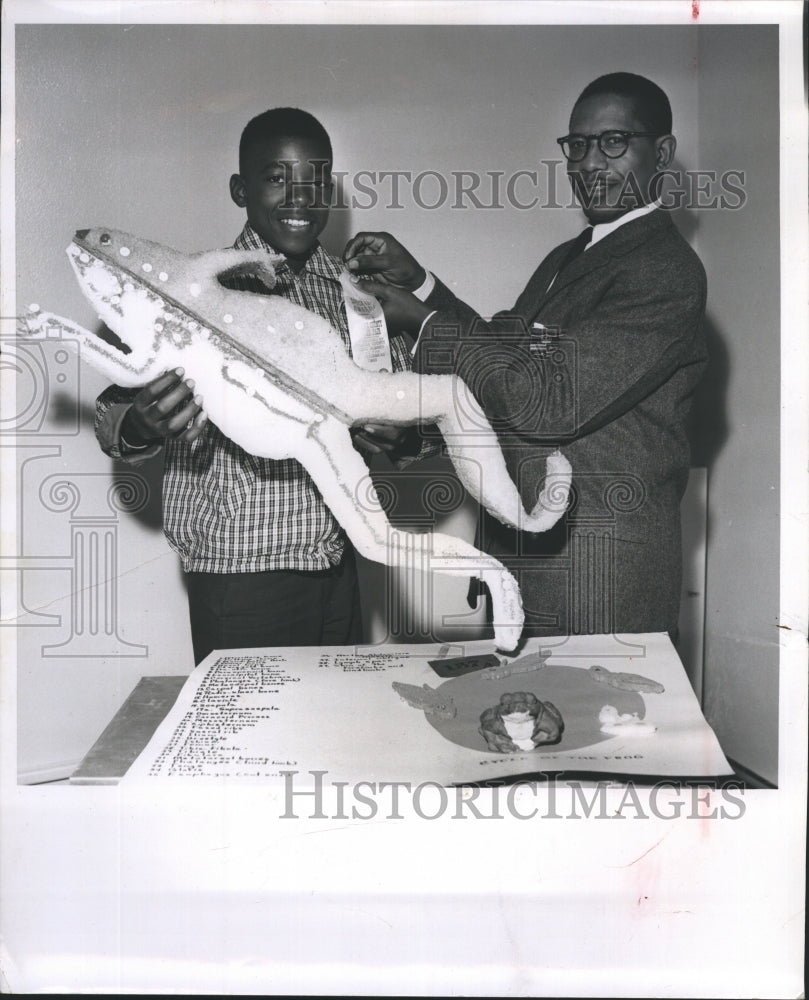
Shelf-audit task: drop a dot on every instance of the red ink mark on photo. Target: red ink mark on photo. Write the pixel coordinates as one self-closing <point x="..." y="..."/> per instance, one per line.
<point x="694" y="9"/>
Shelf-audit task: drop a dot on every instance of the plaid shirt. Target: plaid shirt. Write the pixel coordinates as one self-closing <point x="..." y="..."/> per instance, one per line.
<point x="225" y="511"/>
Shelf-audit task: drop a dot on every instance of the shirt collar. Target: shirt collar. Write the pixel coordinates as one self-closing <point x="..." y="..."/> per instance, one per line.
<point x="320" y="261"/>
<point x="605" y="228"/>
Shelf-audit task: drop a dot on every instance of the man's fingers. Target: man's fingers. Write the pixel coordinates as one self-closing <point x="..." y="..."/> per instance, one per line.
<point x="380" y="438"/>
<point x="364" y="443"/>
<point x="384" y="432"/>
<point x="369" y="263"/>
<point x="364" y="243"/>
<point x="374" y="286"/>
<point x="383" y="255"/>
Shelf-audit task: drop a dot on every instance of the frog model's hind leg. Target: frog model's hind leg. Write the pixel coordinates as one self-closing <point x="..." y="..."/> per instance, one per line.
<point x="342" y="476"/>
<point x="474" y="450"/>
<point x="472" y="443"/>
<point x="111" y="362"/>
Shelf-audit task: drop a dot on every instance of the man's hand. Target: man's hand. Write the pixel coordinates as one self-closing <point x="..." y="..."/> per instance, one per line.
<point x="404" y="313"/>
<point x="165" y="408"/>
<point x="380" y="255"/>
<point x="378" y="439"/>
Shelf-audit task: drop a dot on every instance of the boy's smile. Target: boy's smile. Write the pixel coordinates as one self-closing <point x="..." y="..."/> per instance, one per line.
<point x="285" y="187"/>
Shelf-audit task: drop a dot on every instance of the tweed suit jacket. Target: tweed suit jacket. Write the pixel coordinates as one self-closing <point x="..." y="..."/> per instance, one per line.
<point x="601" y="360"/>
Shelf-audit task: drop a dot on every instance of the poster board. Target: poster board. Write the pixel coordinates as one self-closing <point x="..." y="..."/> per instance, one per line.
<point x="276" y="715"/>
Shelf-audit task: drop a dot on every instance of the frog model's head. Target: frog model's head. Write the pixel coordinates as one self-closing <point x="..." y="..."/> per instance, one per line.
<point x="146" y="292"/>
<point x="117" y="277"/>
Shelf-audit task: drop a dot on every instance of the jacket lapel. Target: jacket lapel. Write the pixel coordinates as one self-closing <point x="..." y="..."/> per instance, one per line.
<point x="624" y="240"/>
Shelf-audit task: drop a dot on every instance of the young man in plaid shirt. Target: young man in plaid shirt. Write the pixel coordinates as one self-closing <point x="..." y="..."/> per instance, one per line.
<point x="266" y="563"/>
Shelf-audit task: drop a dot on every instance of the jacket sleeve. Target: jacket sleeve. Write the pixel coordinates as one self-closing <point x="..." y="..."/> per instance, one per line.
<point x="493" y="357"/>
<point x="562" y="385"/>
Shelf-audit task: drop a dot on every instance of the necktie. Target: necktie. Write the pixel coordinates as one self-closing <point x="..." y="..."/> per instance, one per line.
<point x="576" y="248"/>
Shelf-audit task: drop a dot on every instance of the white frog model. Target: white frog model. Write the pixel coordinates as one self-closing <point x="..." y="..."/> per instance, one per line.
<point x="277" y="380"/>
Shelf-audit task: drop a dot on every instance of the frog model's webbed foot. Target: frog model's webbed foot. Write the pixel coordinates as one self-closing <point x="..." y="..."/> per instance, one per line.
<point x="474" y="450"/>
<point x="498" y="743"/>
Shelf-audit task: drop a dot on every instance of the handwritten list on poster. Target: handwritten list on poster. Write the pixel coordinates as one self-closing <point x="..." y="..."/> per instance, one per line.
<point x="212" y="737"/>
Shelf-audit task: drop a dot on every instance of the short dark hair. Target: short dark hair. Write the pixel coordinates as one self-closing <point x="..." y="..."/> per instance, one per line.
<point x="651" y="105"/>
<point x="281" y="123"/>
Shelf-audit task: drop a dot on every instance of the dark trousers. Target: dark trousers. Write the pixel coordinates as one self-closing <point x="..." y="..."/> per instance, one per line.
<point x="275" y="608"/>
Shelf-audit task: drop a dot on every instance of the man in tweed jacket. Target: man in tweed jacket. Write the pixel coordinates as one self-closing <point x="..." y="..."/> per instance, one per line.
<point x="599" y="356"/>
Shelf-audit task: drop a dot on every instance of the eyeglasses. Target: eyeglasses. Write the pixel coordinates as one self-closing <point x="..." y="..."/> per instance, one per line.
<point x="612" y="144"/>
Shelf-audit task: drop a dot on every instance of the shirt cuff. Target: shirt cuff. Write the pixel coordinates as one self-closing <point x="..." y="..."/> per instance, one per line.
<point x="110" y="434"/>
<point x="425" y="289"/>
<point x="421" y="329"/>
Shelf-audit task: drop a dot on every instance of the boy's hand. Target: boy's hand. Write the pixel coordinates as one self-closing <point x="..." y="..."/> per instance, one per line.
<point x="165" y="408"/>
<point x="404" y="313"/>
<point x="381" y="255"/>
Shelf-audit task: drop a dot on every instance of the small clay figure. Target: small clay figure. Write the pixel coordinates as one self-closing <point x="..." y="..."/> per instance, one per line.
<point x="626" y="682"/>
<point x="430" y="701"/>
<point x="628" y="725"/>
<point x="521" y="722"/>
<point x="523" y="665"/>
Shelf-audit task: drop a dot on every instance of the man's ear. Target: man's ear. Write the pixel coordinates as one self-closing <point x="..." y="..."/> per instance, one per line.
<point x="666" y="147"/>
<point x="237" y="190"/>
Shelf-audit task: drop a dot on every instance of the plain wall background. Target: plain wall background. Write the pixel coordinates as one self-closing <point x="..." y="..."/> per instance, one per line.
<point x="738" y="128"/>
<point x="137" y="127"/>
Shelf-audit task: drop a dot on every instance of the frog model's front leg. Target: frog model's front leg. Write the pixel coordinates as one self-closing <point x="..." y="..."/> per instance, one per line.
<point x="340" y="474"/>
<point x="133" y="369"/>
